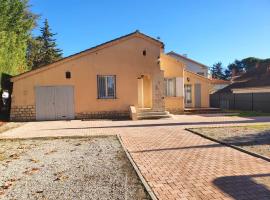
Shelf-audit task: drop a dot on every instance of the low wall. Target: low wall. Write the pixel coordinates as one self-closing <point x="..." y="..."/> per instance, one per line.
<point x="23" y="113"/>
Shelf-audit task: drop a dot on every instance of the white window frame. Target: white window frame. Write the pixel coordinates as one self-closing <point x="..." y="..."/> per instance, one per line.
<point x="99" y="92"/>
<point x="167" y="87"/>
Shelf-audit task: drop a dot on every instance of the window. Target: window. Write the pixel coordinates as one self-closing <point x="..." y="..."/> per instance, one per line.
<point x="106" y="87"/>
<point x="170" y="87"/>
<point x="200" y="73"/>
<point x="68" y="75"/>
<point x="188" y="94"/>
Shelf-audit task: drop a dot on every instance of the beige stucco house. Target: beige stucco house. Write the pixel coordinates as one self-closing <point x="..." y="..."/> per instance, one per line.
<point x="123" y="77"/>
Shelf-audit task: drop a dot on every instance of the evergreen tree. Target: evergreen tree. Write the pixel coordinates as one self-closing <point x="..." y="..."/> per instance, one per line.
<point x="44" y="48"/>
<point x="217" y="71"/>
<point x="16" y="24"/>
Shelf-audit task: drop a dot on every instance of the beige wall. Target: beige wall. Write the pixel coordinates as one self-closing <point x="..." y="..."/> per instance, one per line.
<point x="205" y="87"/>
<point x="173" y="68"/>
<point x="121" y="58"/>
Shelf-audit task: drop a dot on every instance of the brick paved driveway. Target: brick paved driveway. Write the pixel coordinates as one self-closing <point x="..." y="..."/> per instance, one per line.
<point x="175" y="163"/>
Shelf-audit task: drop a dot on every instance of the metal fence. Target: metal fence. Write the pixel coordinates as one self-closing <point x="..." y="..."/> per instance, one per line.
<point x="247" y="102"/>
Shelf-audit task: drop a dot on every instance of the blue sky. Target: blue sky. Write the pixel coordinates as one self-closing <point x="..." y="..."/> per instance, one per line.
<point x="206" y="30"/>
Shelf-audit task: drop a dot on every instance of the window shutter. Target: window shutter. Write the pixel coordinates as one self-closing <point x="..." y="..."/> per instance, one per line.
<point x="179" y="87"/>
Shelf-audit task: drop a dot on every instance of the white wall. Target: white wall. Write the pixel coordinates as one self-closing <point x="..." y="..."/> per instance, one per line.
<point x="191" y="66"/>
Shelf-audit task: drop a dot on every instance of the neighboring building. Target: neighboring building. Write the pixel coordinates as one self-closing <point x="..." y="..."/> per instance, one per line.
<point x="254" y="81"/>
<point x="249" y="91"/>
<point x="218" y="84"/>
<point x="107" y="81"/>
<point x="191" y="65"/>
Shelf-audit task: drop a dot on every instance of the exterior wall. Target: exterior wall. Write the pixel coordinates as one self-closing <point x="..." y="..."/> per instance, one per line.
<point x="205" y="87"/>
<point x="191" y="66"/>
<point x="122" y="58"/>
<point x="173" y="68"/>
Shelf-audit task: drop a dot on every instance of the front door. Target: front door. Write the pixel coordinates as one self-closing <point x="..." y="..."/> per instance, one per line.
<point x="188" y="96"/>
<point x="197" y="95"/>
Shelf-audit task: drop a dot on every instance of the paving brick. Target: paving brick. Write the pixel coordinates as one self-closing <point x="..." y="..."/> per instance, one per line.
<point x="176" y="163"/>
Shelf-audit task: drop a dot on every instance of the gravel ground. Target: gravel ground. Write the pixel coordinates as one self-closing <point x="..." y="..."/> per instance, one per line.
<point x="255" y="138"/>
<point x="73" y="168"/>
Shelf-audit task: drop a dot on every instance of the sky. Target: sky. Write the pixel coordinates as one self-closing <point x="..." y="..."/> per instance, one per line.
<point x="208" y="31"/>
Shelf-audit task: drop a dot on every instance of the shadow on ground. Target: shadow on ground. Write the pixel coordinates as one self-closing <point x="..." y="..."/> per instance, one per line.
<point x="244" y="187"/>
<point x="261" y="138"/>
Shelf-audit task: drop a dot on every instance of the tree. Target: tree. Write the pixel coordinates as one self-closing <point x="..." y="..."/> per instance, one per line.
<point x="16" y="24"/>
<point x="227" y="74"/>
<point x="217" y="71"/>
<point x="43" y="49"/>
<point x="250" y="63"/>
<point x="33" y="52"/>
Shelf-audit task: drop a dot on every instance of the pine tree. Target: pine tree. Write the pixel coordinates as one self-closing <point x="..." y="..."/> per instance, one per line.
<point x="45" y="47"/>
<point x="217" y="71"/>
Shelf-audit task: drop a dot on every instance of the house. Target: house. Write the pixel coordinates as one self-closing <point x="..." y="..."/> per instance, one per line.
<point x="127" y="75"/>
<point x="191" y="65"/>
<point x="250" y="91"/>
<point x="218" y="84"/>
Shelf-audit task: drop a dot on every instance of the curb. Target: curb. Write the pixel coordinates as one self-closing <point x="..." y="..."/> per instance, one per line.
<point x="144" y="182"/>
<point x="230" y="145"/>
<point x="53" y="137"/>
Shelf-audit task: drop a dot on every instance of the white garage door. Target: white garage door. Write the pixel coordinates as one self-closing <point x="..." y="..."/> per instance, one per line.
<point x="54" y="102"/>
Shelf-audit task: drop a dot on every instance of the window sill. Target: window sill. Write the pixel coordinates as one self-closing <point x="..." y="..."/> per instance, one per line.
<point x="107" y="98"/>
<point x="173" y="97"/>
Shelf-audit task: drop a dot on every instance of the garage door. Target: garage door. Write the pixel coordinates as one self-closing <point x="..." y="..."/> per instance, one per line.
<point x="54" y="102"/>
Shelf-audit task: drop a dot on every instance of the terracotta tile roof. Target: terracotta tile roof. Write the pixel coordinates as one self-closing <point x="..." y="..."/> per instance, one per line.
<point x="219" y="81"/>
<point x="257" y="77"/>
<point x="95" y="47"/>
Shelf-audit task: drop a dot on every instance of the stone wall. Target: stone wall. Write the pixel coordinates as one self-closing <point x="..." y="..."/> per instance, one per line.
<point x="104" y="115"/>
<point x="158" y="92"/>
<point x="23" y="113"/>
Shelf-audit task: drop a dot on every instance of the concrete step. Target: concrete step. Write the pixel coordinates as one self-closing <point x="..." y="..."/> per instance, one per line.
<point x="140" y="110"/>
<point x="153" y="116"/>
<point x="154" y="113"/>
<point x="147" y="113"/>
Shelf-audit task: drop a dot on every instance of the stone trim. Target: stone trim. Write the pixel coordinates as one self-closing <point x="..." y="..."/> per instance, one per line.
<point x="23" y="113"/>
<point x="103" y="115"/>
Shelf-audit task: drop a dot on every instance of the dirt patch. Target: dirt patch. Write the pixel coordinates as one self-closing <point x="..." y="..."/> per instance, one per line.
<point x="254" y="138"/>
<point x="82" y="168"/>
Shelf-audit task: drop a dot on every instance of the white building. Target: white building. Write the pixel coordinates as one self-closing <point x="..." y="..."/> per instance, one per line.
<point x="191" y="65"/>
